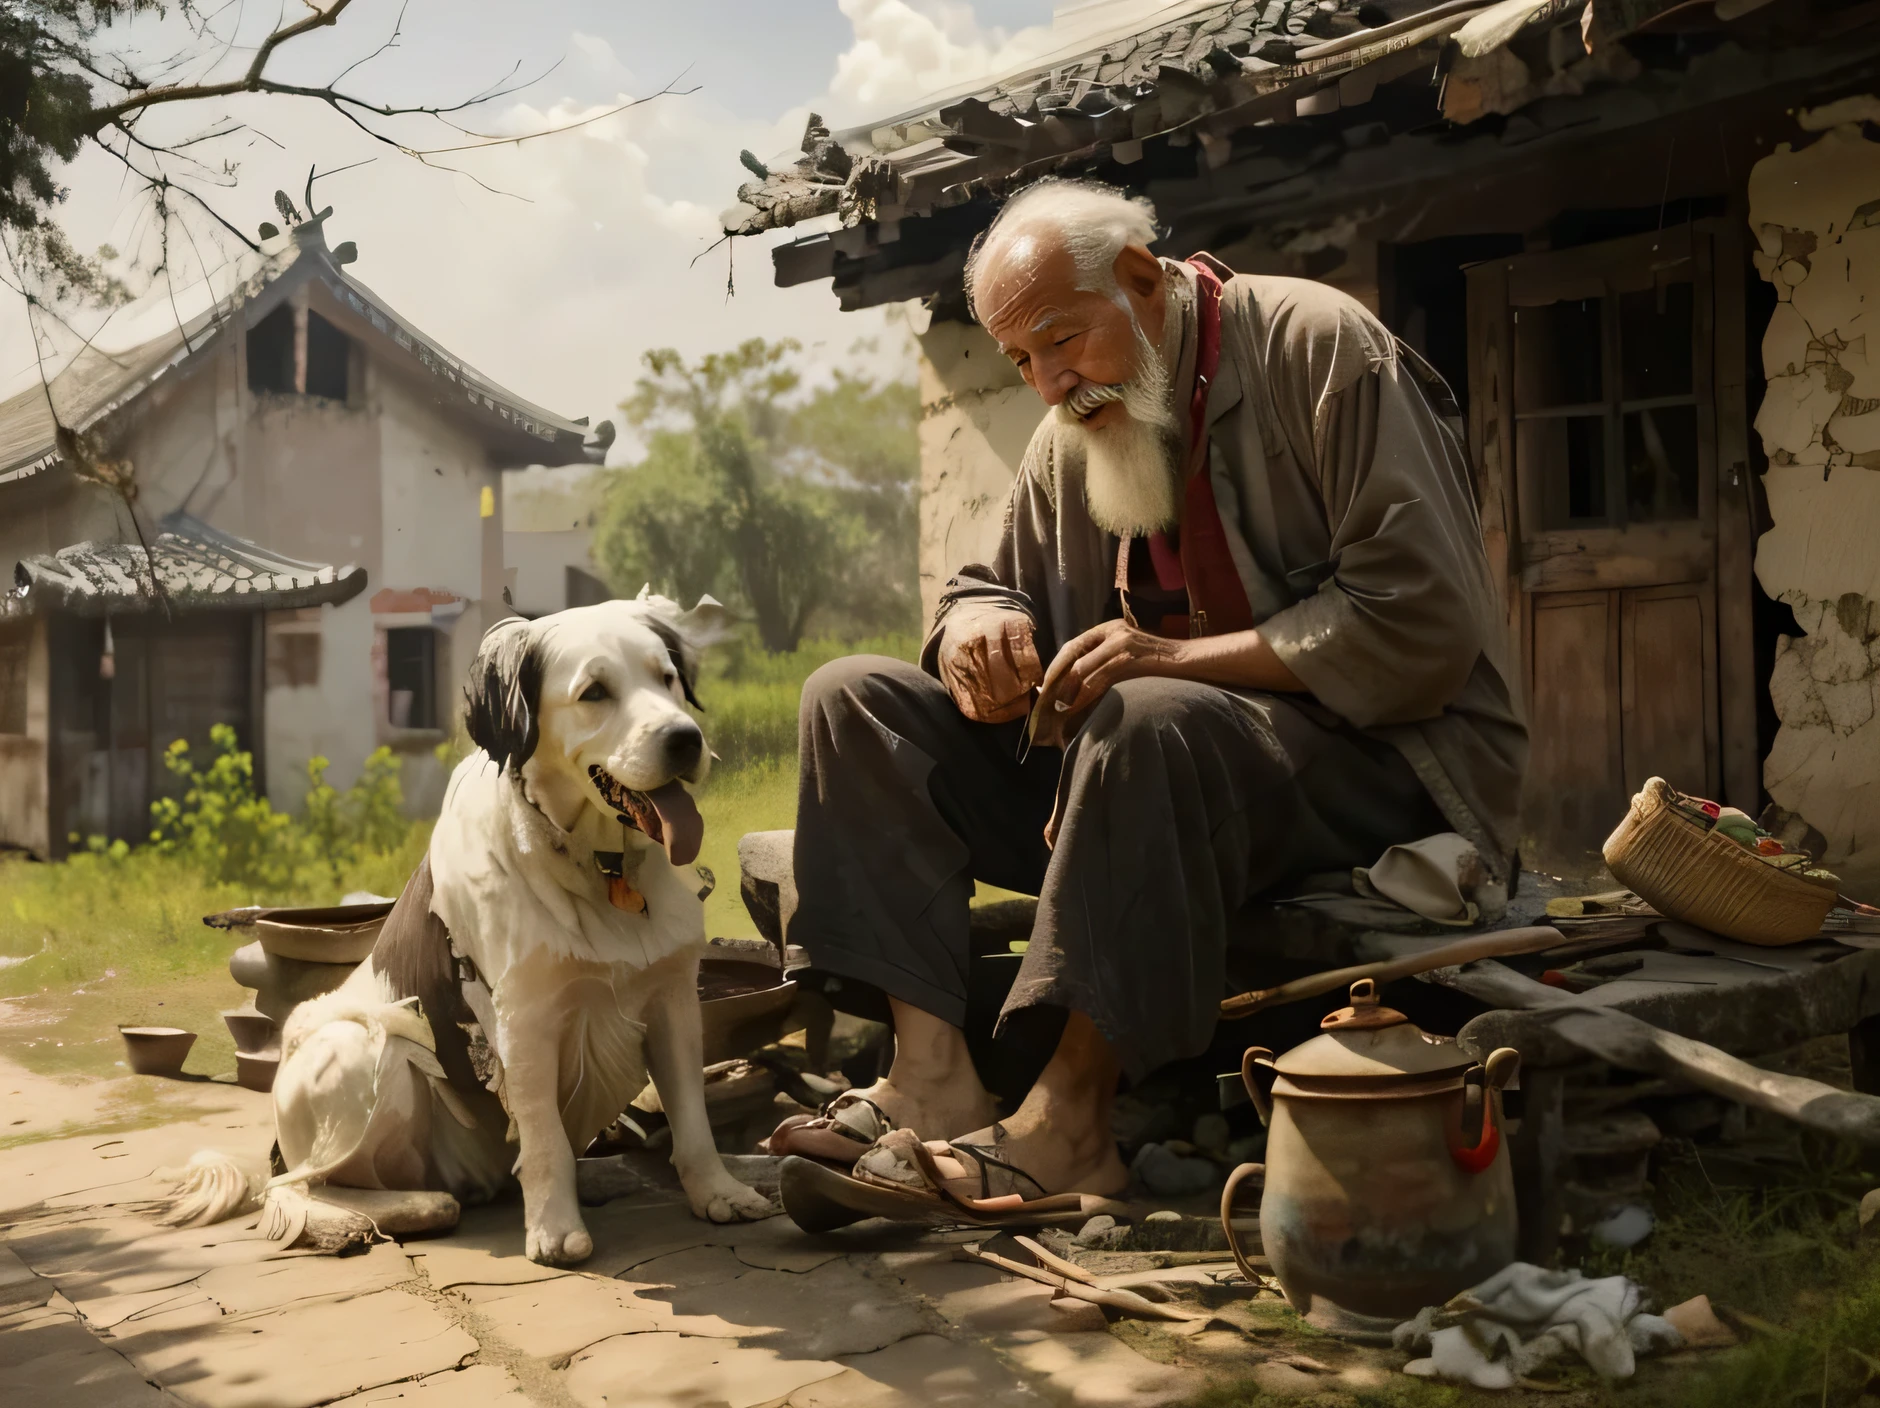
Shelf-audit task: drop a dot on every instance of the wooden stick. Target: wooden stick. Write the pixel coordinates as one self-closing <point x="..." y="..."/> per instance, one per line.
<point x="1050" y="1261"/>
<point x="1626" y="1041"/>
<point x="1126" y="1301"/>
<point x="1501" y="944"/>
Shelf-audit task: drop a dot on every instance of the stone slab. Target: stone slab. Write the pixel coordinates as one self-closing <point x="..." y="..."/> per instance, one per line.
<point x="922" y="1371"/>
<point x="479" y="1386"/>
<point x="555" y="1319"/>
<point x="267" y="1285"/>
<point x="108" y="1313"/>
<point x="49" y="1360"/>
<point x="288" y="1358"/>
<point x="123" y="1255"/>
<point x="848" y="1306"/>
<point x="20" y="1286"/>
<point x="446" y="1265"/>
<point x="666" y="1370"/>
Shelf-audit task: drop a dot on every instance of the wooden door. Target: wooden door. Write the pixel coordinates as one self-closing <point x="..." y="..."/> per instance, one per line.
<point x="1594" y="415"/>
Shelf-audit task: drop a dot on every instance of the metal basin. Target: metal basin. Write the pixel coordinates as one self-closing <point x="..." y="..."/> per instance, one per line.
<point x="744" y="1005"/>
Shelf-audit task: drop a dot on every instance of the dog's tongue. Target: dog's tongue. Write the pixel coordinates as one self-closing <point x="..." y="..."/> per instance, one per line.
<point x="684" y="828"/>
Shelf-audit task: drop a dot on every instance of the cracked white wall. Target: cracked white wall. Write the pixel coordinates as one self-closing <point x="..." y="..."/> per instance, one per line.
<point x="1815" y="213"/>
<point x="976" y="417"/>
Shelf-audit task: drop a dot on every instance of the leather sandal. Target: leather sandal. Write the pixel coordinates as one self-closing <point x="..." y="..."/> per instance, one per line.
<point x="851" y="1117"/>
<point x="819" y="1198"/>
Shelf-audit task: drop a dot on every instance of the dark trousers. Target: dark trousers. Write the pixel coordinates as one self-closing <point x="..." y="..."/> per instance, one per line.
<point x="1180" y="803"/>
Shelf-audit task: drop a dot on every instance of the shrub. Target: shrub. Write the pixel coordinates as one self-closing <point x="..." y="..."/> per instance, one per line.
<point x="227" y="833"/>
<point x="221" y="829"/>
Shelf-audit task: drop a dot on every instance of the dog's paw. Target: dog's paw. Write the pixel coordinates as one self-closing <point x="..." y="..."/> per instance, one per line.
<point x="559" y="1245"/>
<point x="727" y="1200"/>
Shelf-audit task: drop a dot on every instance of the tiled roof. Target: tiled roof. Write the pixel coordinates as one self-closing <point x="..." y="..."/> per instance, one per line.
<point x="97" y="383"/>
<point x="190" y="567"/>
<point x="1167" y="66"/>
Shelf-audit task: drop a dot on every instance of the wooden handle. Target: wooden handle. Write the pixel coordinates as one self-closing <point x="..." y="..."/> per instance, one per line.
<point x="1501" y="944"/>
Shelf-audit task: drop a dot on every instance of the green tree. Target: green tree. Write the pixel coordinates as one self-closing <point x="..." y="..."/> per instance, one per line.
<point x="790" y="505"/>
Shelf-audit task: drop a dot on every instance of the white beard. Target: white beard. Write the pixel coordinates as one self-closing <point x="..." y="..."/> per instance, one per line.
<point x="1131" y="479"/>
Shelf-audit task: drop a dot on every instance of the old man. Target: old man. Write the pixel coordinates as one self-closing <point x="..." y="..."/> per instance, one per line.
<point x="1239" y="628"/>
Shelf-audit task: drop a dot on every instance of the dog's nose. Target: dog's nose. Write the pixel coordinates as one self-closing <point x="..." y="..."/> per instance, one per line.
<point x="683" y="746"/>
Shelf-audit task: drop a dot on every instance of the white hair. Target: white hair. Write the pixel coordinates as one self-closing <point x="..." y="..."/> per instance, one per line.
<point x="1093" y="222"/>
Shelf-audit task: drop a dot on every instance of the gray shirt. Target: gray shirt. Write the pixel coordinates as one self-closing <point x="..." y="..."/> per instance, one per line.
<point x="1349" y="510"/>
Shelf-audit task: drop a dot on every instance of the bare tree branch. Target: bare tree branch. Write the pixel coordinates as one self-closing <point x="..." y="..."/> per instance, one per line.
<point x="101" y="117"/>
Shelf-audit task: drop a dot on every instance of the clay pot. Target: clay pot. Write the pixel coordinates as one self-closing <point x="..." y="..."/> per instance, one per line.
<point x="156" y="1051"/>
<point x="1387" y="1183"/>
<point x="255" y="1070"/>
<point x="253" y="1031"/>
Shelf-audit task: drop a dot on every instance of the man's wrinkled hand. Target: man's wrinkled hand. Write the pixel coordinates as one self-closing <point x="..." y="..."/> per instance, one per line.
<point x="1086" y="668"/>
<point x="989" y="664"/>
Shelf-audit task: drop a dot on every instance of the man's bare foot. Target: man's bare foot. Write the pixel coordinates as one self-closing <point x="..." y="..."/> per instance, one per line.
<point x="941" y="1110"/>
<point x="931" y="1108"/>
<point x="1059" y="1138"/>
<point x="1071" y="1159"/>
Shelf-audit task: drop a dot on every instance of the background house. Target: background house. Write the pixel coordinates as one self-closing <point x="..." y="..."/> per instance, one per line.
<point x="549" y="516"/>
<point x="175" y="510"/>
<point x="1633" y="234"/>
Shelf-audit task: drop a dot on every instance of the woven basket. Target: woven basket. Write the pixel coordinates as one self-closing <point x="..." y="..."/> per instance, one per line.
<point x="1704" y="878"/>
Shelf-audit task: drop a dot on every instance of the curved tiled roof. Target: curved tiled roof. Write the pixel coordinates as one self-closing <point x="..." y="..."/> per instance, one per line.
<point x="97" y="383"/>
<point x="190" y="566"/>
<point x="1159" y="68"/>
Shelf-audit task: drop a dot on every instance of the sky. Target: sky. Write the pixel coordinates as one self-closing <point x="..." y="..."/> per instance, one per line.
<point x="551" y="265"/>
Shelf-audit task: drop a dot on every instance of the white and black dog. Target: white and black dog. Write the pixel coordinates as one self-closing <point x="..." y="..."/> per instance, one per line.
<point x="557" y="917"/>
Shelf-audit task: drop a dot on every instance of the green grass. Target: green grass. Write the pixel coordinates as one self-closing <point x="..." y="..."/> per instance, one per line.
<point x="117" y="938"/>
<point x="751" y="698"/>
<point x="120" y="940"/>
<point x="758" y="797"/>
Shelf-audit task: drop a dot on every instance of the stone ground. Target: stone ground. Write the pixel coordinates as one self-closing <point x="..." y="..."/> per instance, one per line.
<point x="100" y="1306"/>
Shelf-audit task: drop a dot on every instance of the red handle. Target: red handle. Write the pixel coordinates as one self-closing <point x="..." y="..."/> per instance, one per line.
<point x="1483" y="1154"/>
<point x="1478" y="1120"/>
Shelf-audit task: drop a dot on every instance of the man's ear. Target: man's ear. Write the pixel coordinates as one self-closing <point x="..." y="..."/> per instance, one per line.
<point x="1138" y="272"/>
<point x="503" y="697"/>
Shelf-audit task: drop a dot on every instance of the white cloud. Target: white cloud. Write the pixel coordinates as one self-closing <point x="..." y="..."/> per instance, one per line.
<point x="902" y="53"/>
<point x="558" y="286"/>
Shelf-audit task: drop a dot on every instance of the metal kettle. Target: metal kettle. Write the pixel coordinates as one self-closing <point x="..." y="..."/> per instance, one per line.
<point x="1386" y="1183"/>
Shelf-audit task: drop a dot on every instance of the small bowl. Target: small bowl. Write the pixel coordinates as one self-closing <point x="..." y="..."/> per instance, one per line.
<point x="253" y="1031"/>
<point x="156" y="1051"/>
<point x="255" y="1070"/>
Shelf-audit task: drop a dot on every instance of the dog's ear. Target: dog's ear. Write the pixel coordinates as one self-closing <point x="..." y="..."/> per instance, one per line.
<point x="503" y="697"/>
<point x="705" y="624"/>
<point x="686" y="634"/>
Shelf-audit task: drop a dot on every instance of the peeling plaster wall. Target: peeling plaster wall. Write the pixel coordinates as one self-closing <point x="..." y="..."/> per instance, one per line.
<point x="976" y="417"/>
<point x="1816" y="218"/>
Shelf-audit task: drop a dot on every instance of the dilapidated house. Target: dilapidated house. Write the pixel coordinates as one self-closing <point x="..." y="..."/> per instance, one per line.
<point x="1639" y="239"/>
<point x="282" y="514"/>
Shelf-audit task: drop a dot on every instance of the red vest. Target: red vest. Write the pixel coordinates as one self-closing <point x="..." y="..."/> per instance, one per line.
<point x="1217" y="599"/>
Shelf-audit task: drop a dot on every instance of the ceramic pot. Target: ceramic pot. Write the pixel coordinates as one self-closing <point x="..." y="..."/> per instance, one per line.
<point x="252" y="1030"/>
<point x="1387" y="1183"/>
<point x="156" y="1051"/>
<point x="255" y="1070"/>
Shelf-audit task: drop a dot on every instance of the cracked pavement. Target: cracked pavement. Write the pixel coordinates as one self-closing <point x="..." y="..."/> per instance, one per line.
<point x="101" y="1306"/>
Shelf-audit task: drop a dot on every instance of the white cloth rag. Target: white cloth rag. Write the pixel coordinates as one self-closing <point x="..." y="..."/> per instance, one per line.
<point x="1442" y="878"/>
<point x="1524" y="1315"/>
